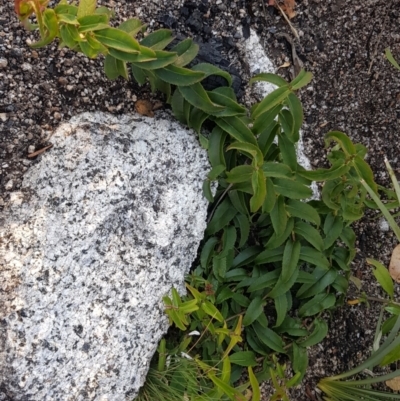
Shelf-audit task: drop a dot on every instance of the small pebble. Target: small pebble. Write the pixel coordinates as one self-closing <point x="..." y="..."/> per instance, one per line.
<point x="9" y="185"/>
<point x="3" y="63"/>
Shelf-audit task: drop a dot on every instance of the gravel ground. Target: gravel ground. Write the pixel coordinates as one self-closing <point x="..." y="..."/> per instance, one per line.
<point x="354" y="90"/>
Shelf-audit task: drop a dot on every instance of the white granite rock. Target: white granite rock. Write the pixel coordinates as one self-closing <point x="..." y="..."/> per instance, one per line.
<point x="106" y="223"/>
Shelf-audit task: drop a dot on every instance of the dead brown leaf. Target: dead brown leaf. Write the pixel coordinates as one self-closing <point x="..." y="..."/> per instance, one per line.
<point x="394" y="383"/>
<point x="38" y="152"/>
<point x="287" y="6"/>
<point x="144" y="107"/>
<point x="394" y="266"/>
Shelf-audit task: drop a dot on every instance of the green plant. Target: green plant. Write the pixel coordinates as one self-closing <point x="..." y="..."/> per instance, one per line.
<point x="392" y="60"/>
<point x="272" y="260"/>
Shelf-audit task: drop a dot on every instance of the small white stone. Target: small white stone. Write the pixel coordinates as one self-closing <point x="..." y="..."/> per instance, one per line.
<point x="31" y="149"/>
<point x="26" y="66"/>
<point x="3" y="63"/>
<point x="3" y="117"/>
<point x="383" y="225"/>
<point x="9" y="185"/>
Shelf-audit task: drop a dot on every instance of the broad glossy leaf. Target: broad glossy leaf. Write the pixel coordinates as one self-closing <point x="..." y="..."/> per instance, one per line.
<point x="209" y="69"/>
<point x="303" y="211"/>
<point x="90" y="23"/>
<point x="302" y="79"/>
<point x="162" y="59"/>
<point x="186" y="56"/>
<point x="117" y="39"/>
<point x="292" y="189"/>
<point x="382" y="275"/>
<point x="268" y="77"/>
<point x="290" y="259"/>
<point x="317" y="304"/>
<point x="254" y="310"/>
<point x="197" y="96"/>
<point x="309" y="234"/>
<point x="343" y="140"/>
<point x="158" y="39"/>
<point x="269" y="338"/>
<point x="237" y="129"/>
<point x="271" y="100"/>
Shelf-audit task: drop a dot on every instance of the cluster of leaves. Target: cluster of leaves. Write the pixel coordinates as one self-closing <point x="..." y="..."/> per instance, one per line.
<point x="272" y="260"/>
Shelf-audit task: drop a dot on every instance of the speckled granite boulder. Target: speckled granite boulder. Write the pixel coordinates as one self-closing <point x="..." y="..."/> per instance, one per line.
<point x="105" y="224"/>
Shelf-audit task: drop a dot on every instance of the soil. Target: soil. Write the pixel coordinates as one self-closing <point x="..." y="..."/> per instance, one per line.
<point x="354" y="90"/>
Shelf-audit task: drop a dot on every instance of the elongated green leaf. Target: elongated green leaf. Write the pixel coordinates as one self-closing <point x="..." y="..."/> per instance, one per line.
<point x="226" y="388"/>
<point x="319" y="333"/>
<point x="288" y="151"/>
<point x="240" y="174"/>
<point x="259" y="190"/>
<point x="243" y="358"/>
<point x="88" y="50"/>
<point x="281" y="307"/>
<point x="209" y="69"/>
<point x="282" y="287"/>
<point x="158" y="39"/>
<point x="197" y="96"/>
<point x="131" y="57"/>
<point x="290" y="259"/>
<point x="333" y="227"/>
<point x="255" y="387"/>
<point x="310" y="234"/>
<point x="337" y="170"/>
<point x="277" y="240"/>
<point x="188" y="55"/>
<point x="86" y="7"/>
<point x="179" y="76"/>
<point x="270" y="199"/>
<point x="68" y="19"/>
<point x="322" y="279"/>
<point x="317" y="304"/>
<point x="177" y="105"/>
<point x="265" y="119"/>
<point x="268" y="77"/>
<point x="267" y="280"/>
<point x="231" y="107"/>
<point x="98" y="47"/>
<point x="299" y="359"/>
<point x="302" y="79"/>
<point x="390" y="57"/>
<point x="269" y="256"/>
<point x="365" y="172"/>
<point x="279" y="170"/>
<point x="271" y="100"/>
<point x="209" y="308"/>
<point x="216" y="147"/>
<point x="112" y="67"/>
<point x="249" y="149"/>
<point x="131" y="26"/>
<point x="65" y="9"/>
<point x="222" y="216"/>
<point x="236" y="128"/>
<point x="117" y="39"/>
<point x="269" y="338"/>
<point x="292" y="189"/>
<point x="287" y="124"/>
<point x="162" y="60"/>
<point x="382" y="275"/>
<point x="138" y="74"/>
<point x="51" y="24"/>
<point x="296" y="110"/>
<point x="67" y="37"/>
<point x="246" y="256"/>
<point x="303" y="211"/>
<point x="279" y="216"/>
<point x="244" y="229"/>
<point x="314" y="257"/>
<point x="254" y="310"/>
<point x="343" y="140"/>
<point x="90" y="23"/>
